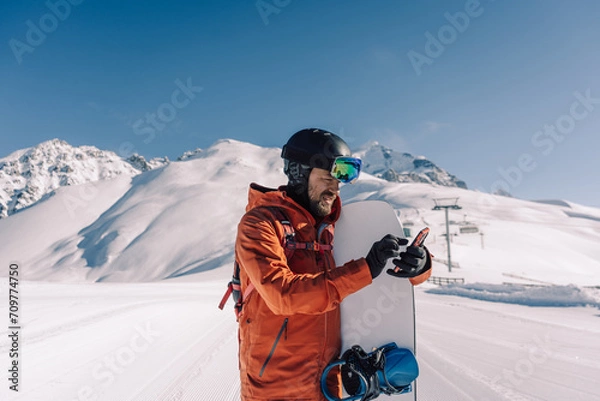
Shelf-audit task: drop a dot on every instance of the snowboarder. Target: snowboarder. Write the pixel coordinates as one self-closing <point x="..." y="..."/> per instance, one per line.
<point x="289" y="325"/>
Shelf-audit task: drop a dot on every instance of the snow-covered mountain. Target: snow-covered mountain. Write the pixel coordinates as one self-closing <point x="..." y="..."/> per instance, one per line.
<point x="107" y="230"/>
<point x="181" y="219"/>
<point x="29" y="175"/>
<point x="395" y="166"/>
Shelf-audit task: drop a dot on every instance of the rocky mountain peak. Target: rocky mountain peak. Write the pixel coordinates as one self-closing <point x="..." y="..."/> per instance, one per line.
<point x="28" y="175"/>
<point x="394" y="166"/>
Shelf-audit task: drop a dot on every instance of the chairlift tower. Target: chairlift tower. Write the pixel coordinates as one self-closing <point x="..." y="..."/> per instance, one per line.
<point x="447" y="203"/>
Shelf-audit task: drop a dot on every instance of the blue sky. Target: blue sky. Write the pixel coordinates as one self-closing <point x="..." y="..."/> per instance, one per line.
<point x="160" y="78"/>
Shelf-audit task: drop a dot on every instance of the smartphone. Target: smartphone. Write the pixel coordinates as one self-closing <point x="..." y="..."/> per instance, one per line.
<point x="420" y="238"/>
<point x="418" y="241"/>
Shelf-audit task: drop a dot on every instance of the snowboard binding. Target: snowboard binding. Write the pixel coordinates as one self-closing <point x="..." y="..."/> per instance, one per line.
<point x="387" y="369"/>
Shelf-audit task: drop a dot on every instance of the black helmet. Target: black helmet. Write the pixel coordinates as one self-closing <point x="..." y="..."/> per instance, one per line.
<point x="305" y="150"/>
<point x="314" y="147"/>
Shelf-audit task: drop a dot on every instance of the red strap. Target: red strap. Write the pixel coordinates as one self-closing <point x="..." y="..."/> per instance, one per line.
<point x="288" y="235"/>
<point x="311" y="246"/>
<point x="248" y="291"/>
<point x="240" y="303"/>
<point x="226" y="296"/>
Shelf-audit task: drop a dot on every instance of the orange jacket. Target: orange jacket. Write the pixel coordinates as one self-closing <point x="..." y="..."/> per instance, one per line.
<point x="289" y="328"/>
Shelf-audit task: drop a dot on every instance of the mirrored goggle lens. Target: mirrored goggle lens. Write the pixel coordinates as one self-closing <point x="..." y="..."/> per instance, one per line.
<point x="346" y="169"/>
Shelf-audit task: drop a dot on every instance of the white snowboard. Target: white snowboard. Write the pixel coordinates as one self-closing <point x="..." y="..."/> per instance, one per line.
<point x="384" y="311"/>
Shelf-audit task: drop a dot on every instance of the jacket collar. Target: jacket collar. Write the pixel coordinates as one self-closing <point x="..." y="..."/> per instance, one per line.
<point x="262" y="196"/>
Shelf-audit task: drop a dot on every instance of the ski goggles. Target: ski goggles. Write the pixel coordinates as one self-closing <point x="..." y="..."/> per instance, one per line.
<point x="346" y="169"/>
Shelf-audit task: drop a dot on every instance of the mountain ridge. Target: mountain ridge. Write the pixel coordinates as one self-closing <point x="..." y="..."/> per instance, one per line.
<point x="394" y="166"/>
<point x="30" y="175"/>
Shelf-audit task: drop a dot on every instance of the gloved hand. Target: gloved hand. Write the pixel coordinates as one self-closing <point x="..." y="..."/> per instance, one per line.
<point x="381" y="251"/>
<point x="415" y="261"/>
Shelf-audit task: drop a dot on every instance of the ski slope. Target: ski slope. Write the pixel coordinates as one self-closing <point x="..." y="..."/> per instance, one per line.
<point x="168" y="341"/>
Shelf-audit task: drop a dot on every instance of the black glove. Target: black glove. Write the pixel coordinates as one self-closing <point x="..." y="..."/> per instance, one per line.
<point x="381" y="251"/>
<point x="413" y="262"/>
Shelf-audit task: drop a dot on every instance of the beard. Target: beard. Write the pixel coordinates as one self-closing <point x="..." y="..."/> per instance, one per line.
<point x="322" y="205"/>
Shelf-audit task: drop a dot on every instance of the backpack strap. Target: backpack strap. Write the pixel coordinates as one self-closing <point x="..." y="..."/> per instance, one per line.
<point x="288" y="231"/>
<point x="234" y="287"/>
<point x="289" y="242"/>
<point x="226" y="295"/>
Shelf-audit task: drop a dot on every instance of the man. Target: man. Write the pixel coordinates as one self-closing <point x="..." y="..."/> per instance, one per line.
<point x="289" y="325"/>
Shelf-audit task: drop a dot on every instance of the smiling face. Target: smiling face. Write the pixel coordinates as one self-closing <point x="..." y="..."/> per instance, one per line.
<point x="322" y="191"/>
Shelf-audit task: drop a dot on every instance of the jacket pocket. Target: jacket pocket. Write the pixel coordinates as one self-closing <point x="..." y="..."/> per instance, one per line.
<point x="281" y="331"/>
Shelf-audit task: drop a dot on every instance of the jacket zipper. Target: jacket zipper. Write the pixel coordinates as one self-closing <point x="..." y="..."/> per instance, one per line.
<point x="281" y="330"/>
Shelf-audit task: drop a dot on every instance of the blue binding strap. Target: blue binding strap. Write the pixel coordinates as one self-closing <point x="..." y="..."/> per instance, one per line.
<point x="387" y="369"/>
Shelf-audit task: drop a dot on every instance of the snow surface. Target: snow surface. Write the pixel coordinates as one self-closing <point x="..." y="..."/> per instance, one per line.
<point x="168" y="341"/>
<point x="94" y="328"/>
<point x="543" y="295"/>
